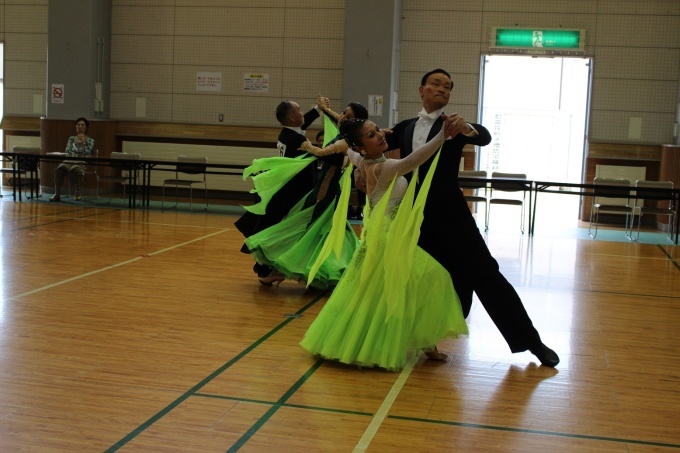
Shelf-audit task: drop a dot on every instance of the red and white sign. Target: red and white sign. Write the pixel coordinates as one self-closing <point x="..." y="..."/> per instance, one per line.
<point x="57" y="93"/>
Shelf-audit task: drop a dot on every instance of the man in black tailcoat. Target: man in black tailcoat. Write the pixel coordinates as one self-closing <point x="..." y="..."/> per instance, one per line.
<point x="449" y="232"/>
<point x="291" y="137"/>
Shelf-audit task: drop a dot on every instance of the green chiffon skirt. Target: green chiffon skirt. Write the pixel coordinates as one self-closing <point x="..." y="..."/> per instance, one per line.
<point x="394" y="298"/>
<point x="360" y="326"/>
<point x="294" y="246"/>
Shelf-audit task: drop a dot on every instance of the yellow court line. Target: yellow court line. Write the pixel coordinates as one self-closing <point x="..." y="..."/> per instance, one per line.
<point x="385" y="407"/>
<point x="113" y="266"/>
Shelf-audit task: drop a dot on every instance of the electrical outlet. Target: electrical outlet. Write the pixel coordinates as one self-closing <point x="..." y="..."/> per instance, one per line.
<point x="220" y="117"/>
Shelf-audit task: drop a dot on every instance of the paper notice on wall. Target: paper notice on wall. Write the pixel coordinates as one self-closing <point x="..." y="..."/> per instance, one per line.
<point x="140" y="107"/>
<point x="258" y="83"/>
<point x="375" y="105"/>
<point x="635" y="127"/>
<point x="38" y="103"/>
<point x="209" y="81"/>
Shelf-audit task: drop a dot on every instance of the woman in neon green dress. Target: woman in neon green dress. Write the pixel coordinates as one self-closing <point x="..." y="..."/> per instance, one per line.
<point x="393" y="297"/>
<point x="293" y="246"/>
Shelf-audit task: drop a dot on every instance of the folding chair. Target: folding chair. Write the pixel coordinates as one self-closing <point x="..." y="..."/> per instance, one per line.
<point x="506" y="187"/>
<point x="188" y="166"/>
<point x="663" y="207"/>
<point x="28" y="165"/>
<point x="610" y="201"/>
<point x="118" y="172"/>
<point x="90" y="170"/>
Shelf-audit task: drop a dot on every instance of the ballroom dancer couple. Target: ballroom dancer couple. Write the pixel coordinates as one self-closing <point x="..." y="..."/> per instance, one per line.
<point x="441" y="223"/>
<point x="448" y="233"/>
<point x="288" y="231"/>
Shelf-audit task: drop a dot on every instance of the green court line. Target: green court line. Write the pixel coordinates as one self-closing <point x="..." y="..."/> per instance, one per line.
<point x="450" y="423"/>
<point x="192" y="391"/>
<point x="672" y="260"/>
<point x="297" y="406"/>
<point x="622" y="293"/>
<point x="534" y="431"/>
<point x="60" y="220"/>
<point x="272" y="410"/>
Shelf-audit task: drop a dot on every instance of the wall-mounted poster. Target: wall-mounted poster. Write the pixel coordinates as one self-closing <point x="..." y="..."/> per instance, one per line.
<point x="209" y="81"/>
<point x="256" y="83"/>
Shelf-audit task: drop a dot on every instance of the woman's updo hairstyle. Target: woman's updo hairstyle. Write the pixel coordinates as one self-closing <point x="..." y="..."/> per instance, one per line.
<point x="351" y="131"/>
<point x="359" y="110"/>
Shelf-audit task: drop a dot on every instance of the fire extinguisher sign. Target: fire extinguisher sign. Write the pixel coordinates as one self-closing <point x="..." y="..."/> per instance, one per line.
<point x="57" y="93"/>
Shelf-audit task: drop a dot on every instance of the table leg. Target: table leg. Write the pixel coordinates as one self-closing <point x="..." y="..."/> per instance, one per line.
<point x="533" y="217"/>
<point x="132" y="183"/>
<point x="18" y="189"/>
<point x="531" y="202"/>
<point x="677" y="216"/>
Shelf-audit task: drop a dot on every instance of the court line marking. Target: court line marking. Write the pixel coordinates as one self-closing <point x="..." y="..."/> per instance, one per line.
<point x="271" y="403"/>
<point x="193" y="390"/>
<point x="113" y="266"/>
<point x="669" y="256"/>
<point x="275" y="407"/>
<point x="534" y="431"/>
<point x="379" y="416"/>
<point x="449" y="422"/>
<point x="386" y="405"/>
<point x="56" y="218"/>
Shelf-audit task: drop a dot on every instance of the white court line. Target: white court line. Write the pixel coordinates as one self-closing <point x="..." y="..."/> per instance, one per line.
<point x="385" y="407"/>
<point x="87" y="274"/>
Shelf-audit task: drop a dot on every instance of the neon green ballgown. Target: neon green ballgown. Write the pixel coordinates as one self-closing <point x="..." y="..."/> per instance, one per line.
<point x="393" y="297"/>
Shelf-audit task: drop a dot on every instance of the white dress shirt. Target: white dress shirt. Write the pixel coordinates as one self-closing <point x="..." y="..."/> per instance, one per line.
<point x="423" y="126"/>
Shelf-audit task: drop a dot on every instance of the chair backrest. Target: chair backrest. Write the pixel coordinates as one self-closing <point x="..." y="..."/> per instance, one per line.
<point x="606" y="193"/>
<point x="27" y="163"/>
<point x="190" y="165"/>
<point x="657" y="194"/>
<point x="122" y="159"/>
<point x="509" y="186"/>
<point x="196" y="165"/>
<point x="472" y="184"/>
<point x="126" y="156"/>
<point x="25" y="150"/>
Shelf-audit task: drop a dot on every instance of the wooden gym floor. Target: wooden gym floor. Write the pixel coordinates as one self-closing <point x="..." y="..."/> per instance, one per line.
<point x="144" y="330"/>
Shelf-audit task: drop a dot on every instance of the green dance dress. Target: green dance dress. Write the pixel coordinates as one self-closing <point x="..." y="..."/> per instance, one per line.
<point x="314" y="243"/>
<point x="299" y="246"/>
<point x="394" y="297"/>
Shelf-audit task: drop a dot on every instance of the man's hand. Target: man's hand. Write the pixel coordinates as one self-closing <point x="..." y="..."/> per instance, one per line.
<point x="455" y="124"/>
<point x="323" y="102"/>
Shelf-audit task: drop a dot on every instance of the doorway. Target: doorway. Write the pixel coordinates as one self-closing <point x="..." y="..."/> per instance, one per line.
<point x="536" y="110"/>
<point x="2" y="89"/>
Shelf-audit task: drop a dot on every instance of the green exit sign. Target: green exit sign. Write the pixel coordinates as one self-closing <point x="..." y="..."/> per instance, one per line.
<point x="524" y="38"/>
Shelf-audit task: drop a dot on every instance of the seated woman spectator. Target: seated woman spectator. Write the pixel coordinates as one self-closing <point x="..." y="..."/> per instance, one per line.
<point x="77" y="145"/>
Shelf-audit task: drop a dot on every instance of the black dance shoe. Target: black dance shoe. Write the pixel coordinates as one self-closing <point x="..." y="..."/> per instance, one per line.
<point x="274" y="278"/>
<point x="545" y="355"/>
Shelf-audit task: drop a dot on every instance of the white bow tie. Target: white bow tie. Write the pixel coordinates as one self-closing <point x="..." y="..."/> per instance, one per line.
<point x="432" y="116"/>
